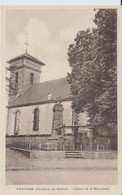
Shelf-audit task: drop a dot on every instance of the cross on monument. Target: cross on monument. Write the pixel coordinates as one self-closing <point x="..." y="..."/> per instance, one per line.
<point x="27" y="44"/>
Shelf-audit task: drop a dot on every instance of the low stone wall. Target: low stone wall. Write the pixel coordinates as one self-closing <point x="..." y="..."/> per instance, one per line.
<point x="23" y="151"/>
<point x="58" y="155"/>
<point x="100" y="154"/>
<point x="48" y="155"/>
<point x="61" y="155"/>
<point x="43" y="155"/>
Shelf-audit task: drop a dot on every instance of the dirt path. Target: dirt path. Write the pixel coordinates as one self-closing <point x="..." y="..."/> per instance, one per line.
<point x="22" y="170"/>
<point x="60" y="177"/>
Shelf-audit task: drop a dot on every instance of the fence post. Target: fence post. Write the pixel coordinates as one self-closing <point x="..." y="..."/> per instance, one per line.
<point x="73" y="147"/>
<point x="97" y="147"/>
<point x="63" y="146"/>
<point x="29" y="144"/>
<point x="22" y="143"/>
<point x="40" y="146"/>
<point x="81" y="147"/>
<point x="47" y="146"/>
<point x="25" y="143"/>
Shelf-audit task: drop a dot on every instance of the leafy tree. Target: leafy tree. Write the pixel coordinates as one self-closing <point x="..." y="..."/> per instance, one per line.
<point x="11" y="87"/>
<point x="93" y="58"/>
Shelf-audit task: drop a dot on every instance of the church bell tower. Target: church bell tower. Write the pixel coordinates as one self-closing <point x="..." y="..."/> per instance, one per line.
<point x="24" y="71"/>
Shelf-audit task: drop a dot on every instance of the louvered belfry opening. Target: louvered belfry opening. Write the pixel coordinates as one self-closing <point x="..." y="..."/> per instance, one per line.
<point x="31" y="78"/>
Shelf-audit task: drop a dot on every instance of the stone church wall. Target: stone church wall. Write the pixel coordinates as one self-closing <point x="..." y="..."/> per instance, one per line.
<point x="45" y="118"/>
<point x="10" y="121"/>
<point x="26" y="119"/>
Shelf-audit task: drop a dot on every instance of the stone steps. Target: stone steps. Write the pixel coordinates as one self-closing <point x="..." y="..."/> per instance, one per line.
<point x="73" y="154"/>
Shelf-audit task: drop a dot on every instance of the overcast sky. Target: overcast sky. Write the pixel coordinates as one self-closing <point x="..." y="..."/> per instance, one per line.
<point x="50" y="31"/>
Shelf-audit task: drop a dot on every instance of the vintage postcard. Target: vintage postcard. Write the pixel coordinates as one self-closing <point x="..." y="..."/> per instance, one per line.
<point x="61" y="100"/>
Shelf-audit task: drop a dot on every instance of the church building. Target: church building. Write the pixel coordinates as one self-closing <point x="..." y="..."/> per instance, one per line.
<point x="43" y="109"/>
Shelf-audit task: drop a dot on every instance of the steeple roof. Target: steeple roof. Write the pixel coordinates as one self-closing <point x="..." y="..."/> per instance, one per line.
<point x="27" y="56"/>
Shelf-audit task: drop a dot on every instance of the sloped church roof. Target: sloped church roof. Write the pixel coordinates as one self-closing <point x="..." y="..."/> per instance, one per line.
<point x="38" y="93"/>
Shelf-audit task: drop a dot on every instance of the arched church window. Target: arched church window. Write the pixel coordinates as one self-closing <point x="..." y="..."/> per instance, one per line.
<point x="36" y="120"/>
<point x="17" y="122"/>
<point x="16" y="79"/>
<point x="31" y="78"/>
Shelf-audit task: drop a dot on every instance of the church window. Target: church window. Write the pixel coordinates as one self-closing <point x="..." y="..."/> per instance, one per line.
<point x="31" y="78"/>
<point x="85" y="134"/>
<point x="36" y="120"/>
<point x="17" y="121"/>
<point x="109" y="141"/>
<point x="16" y="80"/>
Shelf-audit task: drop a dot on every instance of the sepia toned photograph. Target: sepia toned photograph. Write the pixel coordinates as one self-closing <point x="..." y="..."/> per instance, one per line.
<point x="61" y="96"/>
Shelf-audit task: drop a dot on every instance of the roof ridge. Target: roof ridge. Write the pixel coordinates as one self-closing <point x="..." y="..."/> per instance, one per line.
<point x="53" y="80"/>
<point x="30" y="55"/>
